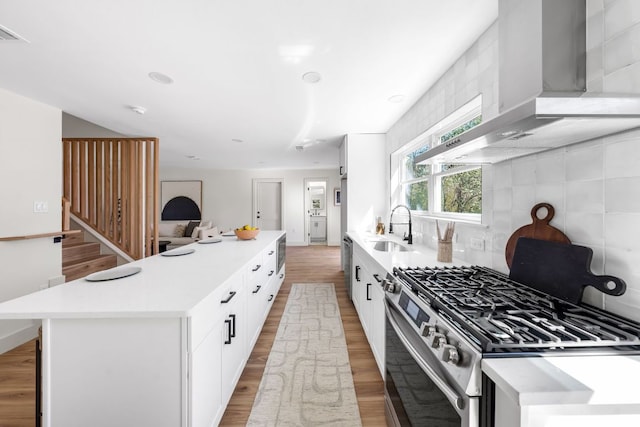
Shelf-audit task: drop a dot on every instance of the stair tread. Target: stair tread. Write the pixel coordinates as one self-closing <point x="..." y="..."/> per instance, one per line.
<point x="86" y="260"/>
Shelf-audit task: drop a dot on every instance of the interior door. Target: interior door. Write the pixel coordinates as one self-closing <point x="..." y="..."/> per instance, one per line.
<point x="268" y="204"/>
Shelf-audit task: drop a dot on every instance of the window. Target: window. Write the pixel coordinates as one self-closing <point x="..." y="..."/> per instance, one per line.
<point x="442" y="189"/>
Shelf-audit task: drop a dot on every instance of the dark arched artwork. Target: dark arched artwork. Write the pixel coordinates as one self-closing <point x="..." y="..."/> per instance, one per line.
<point x="179" y="209"/>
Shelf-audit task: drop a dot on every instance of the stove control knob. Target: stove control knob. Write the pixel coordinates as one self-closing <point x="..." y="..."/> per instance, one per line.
<point x="450" y="354"/>
<point x="428" y="330"/>
<point x="438" y="340"/>
<point x="390" y="286"/>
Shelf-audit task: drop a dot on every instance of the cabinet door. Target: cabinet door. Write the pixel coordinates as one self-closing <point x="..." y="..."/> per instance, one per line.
<point x="233" y="338"/>
<point x="343" y="156"/>
<point x="206" y="389"/>
<point x="377" y="322"/>
<point x="256" y="279"/>
<point x="357" y="281"/>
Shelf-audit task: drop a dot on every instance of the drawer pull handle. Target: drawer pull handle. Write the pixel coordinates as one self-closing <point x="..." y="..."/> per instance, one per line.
<point x="231" y="295"/>
<point x="256" y="268"/>
<point x="257" y="289"/>
<point x="233" y="325"/>
<point x="270" y="297"/>
<point x="271" y="253"/>
<point x="368" y="296"/>
<point x="377" y="277"/>
<point x="271" y="273"/>
<point x="281" y="275"/>
<point x="228" y="322"/>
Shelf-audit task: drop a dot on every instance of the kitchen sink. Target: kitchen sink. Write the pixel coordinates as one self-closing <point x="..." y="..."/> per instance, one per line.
<point x="388" y="246"/>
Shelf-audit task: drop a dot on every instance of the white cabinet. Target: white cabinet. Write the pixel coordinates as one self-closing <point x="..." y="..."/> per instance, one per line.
<point x="318" y="228"/>
<point x="218" y="338"/>
<point x="206" y="392"/>
<point x="343" y="156"/>
<point x="367" y="182"/>
<point x="234" y="340"/>
<point x="368" y="298"/>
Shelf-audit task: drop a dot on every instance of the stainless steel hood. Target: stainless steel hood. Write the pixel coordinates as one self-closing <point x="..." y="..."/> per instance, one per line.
<point x="543" y="103"/>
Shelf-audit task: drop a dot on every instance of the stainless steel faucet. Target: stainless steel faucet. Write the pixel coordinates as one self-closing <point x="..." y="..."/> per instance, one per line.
<point x="408" y="238"/>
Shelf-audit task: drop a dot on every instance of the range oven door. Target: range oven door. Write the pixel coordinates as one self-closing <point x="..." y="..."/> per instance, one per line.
<point x="417" y="392"/>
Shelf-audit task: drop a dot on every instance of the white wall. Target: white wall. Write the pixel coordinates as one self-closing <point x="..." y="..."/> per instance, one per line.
<point x="31" y="165"/>
<point x="594" y="186"/>
<point x="227" y="197"/>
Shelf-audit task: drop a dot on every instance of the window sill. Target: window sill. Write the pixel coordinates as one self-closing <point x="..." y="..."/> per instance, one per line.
<point x="455" y="218"/>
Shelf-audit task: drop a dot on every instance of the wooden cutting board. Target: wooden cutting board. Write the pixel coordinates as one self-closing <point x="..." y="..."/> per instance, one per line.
<point x="538" y="229"/>
<point x="559" y="269"/>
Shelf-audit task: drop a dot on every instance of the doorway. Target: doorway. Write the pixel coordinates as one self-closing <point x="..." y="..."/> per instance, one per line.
<point x="316" y="210"/>
<point x="267" y="204"/>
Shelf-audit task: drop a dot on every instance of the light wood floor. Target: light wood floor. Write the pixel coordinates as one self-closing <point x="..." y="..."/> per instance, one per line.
<point x="303" y="265"/>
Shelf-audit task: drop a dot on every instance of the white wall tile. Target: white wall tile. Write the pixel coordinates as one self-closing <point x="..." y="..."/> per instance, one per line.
<point x="584" y="161"/>
<point x="524" y="197"/>
<point x="622" y="50"/>
<point x="585" y="228"/>
<point x="584" y="196"/>
<point x="624" y="80"/>
<point x="622" y="195"/>
<point x="620" y="15"/>
<point x="502" y="199"/>
<point x="552" y="194"/>
<point x="622" y="155"/>
<point x="502" y="175"/>
<point x="523" y="171"/>
<point x="594" y="7"/>
<point x="550" y="166"/>
<point x="622" y="231"/>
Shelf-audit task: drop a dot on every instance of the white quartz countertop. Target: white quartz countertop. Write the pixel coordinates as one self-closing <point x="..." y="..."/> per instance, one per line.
<point x="562" y="380"/>
<point x="166" y="286"/>
<point x="416" y="256"/>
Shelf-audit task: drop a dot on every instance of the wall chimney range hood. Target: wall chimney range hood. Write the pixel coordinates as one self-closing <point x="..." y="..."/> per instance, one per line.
<point x="542" y="81"/>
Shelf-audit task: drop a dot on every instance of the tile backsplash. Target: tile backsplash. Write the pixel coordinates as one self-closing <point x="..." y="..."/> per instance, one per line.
<point x="597" y="204"/>
<point x="594" y="186"/>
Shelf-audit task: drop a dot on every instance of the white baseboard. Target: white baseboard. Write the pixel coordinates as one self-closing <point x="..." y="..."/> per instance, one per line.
<point x="19" y="337"/>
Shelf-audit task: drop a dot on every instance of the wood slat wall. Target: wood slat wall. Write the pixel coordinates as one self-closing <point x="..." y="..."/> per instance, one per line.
<point x="113" y="186"/>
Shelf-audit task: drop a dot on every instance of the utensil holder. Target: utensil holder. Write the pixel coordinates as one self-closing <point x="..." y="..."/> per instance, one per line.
<point x="445" y="251"/>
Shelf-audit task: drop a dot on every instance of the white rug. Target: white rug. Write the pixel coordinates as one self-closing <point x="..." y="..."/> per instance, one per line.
<point x="307" y="380"/>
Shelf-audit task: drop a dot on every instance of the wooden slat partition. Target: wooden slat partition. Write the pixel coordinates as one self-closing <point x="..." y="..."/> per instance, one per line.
<point x="113" y="186"/>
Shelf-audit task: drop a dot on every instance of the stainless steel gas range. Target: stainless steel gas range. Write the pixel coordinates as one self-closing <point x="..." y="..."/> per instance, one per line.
<point x="441" y="322"/>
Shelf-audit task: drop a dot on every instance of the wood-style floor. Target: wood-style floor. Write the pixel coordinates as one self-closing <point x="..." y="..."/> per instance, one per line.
<point x="319" y="264"/>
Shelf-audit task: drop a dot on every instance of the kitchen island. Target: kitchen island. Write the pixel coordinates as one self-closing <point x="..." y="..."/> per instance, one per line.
<point x="163" y="347"/>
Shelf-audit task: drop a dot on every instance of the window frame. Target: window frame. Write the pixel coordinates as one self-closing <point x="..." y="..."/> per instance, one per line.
<point x="432" y="138"/>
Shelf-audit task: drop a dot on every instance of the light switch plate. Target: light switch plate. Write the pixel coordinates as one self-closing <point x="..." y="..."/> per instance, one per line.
<point x="476" y="243"/>
<point x="40" y="207"/>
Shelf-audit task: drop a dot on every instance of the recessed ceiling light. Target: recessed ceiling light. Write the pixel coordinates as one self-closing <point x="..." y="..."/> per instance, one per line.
<point x="160" y="78"/>
<point x="237" y="140"/>
<point x="396" y="99"/>
<point x="138" y="109"/>
<point x="311" y="77"/>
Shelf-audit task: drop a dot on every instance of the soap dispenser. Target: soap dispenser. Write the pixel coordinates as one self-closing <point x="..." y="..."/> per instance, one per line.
<point x="379" y="226"/>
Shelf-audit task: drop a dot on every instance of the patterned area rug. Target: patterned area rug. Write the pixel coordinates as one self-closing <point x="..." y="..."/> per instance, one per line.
<point x="307" y="380"/>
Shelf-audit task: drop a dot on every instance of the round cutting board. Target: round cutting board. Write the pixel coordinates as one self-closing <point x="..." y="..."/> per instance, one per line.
<point x="538" y="229"/>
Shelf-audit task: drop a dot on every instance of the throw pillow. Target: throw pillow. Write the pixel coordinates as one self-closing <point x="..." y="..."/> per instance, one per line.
<point x="166" y="229"/>
<point x="179" y="231"/>
<point x="189" y="230"/>
<point x="196" y="232"/>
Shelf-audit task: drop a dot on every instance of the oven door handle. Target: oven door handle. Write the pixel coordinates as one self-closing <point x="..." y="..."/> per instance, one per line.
<point x="442" y="385"/>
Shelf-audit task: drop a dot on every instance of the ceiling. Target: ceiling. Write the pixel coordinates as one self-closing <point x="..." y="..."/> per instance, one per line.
<point x="238" y="99"/>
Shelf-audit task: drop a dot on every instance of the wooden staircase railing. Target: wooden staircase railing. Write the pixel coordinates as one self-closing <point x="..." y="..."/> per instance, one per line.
<point x="112" y="185"/>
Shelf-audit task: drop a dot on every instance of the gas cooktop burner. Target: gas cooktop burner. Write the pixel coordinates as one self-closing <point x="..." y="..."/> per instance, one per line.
<point x="502" y="316"/>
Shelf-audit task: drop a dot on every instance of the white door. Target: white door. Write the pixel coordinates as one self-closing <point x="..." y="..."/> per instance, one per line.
<point x="268" y="204"/>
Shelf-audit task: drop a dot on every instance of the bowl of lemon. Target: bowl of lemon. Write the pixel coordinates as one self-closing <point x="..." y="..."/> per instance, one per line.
<point x="247" y="232"/>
